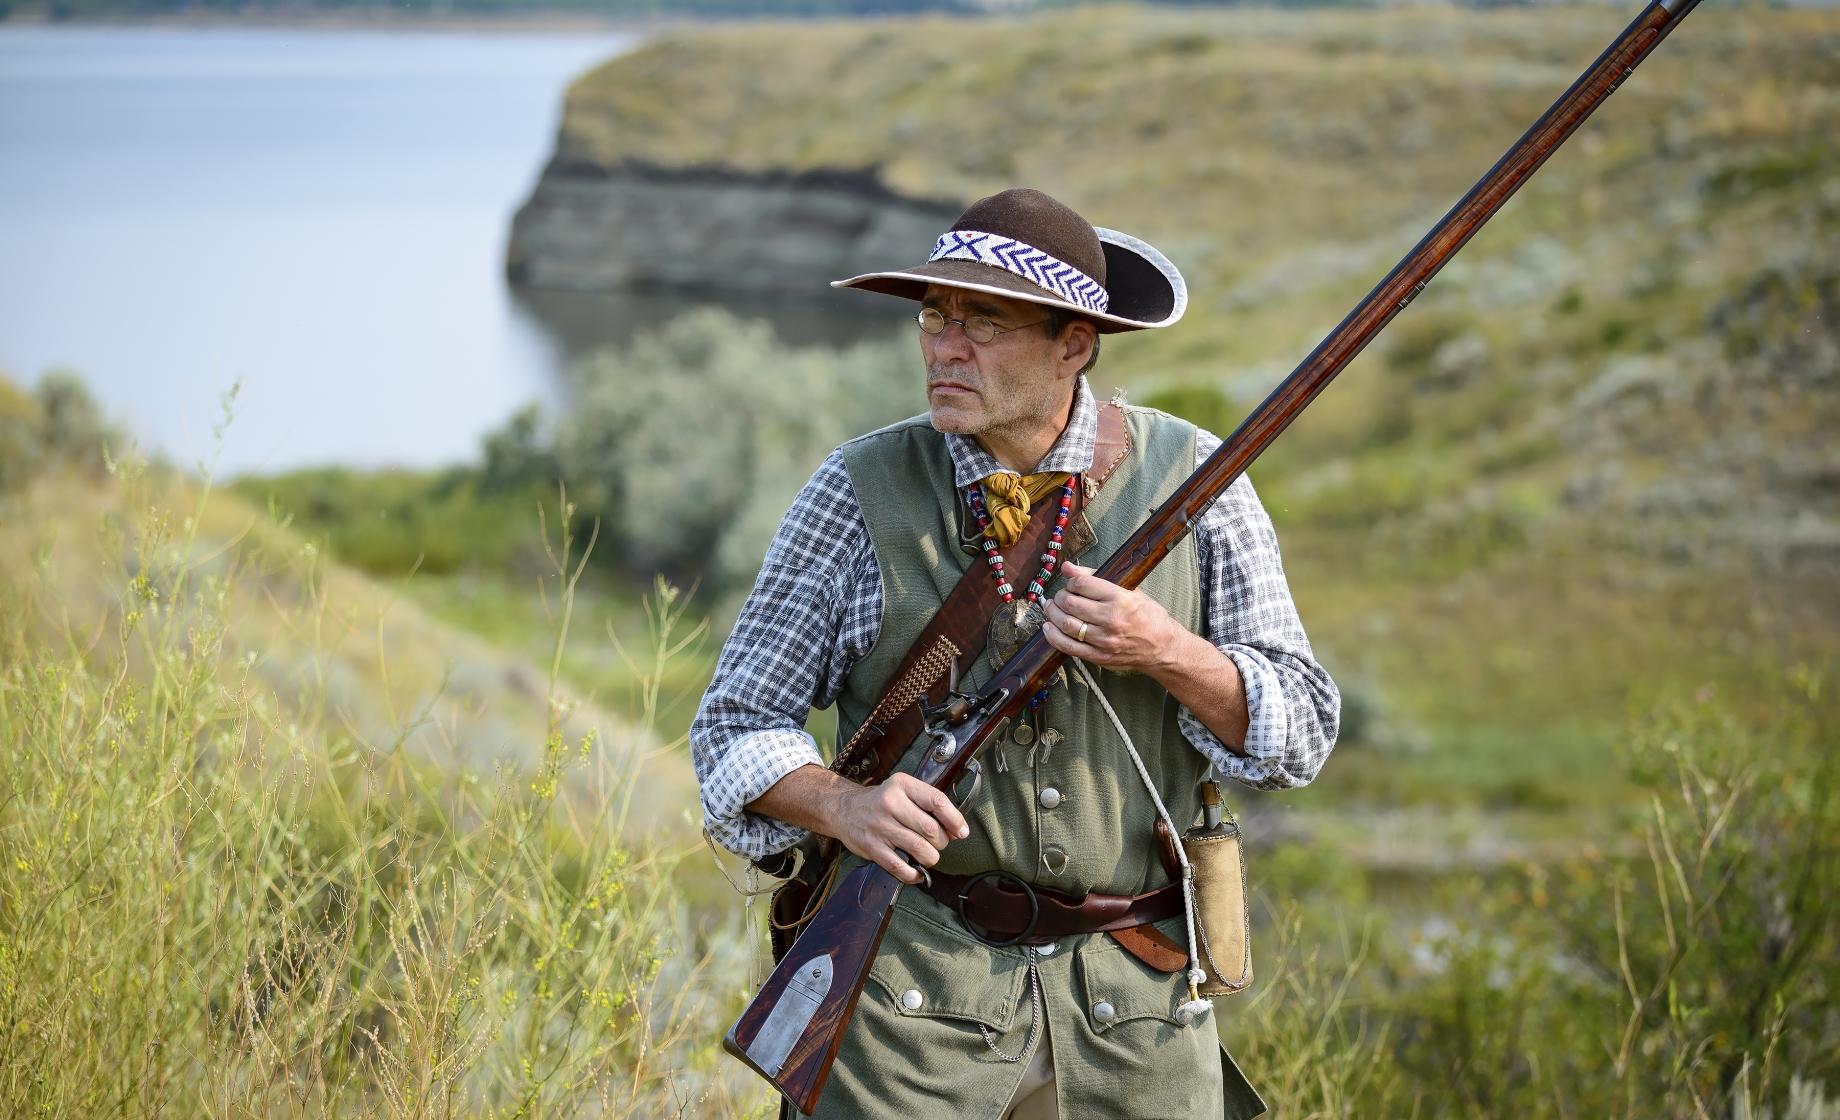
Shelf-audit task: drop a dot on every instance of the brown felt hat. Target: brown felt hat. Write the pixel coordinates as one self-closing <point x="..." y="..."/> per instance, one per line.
<point x="1023" y="244"/>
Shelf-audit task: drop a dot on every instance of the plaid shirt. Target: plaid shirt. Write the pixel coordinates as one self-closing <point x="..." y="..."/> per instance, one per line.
<point x="816" y="609"/>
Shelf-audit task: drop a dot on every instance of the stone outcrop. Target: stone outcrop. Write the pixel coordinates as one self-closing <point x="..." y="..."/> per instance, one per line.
<point x="712" y="231"/>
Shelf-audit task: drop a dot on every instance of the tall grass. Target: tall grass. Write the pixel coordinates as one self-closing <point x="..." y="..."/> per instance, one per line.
<point x="1692" y="971"/>
<point x="217" y="898"/>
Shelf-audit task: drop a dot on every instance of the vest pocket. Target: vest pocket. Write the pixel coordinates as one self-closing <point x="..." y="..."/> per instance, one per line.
<point x="1118" y="988"/>
<point x="929" y="969"/>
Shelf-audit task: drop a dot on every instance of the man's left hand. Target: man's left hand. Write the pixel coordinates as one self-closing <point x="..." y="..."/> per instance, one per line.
<point x="1104" y="624"/>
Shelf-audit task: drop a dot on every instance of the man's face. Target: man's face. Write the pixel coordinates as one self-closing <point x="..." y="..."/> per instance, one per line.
<point x="1016" y="379"/>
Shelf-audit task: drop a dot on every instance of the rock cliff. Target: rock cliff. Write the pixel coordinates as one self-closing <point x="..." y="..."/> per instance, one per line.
<point x="711" y="230"/>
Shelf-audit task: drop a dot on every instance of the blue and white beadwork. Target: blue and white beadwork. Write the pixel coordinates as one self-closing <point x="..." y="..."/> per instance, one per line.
<point x="1025" y="261"/>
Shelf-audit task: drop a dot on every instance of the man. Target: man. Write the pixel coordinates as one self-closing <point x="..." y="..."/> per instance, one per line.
<point x="1205" y="665"/>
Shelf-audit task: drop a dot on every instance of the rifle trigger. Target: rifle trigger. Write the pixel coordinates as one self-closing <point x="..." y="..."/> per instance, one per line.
<point x="977" y="779"/>
<point x="926" y="877"/>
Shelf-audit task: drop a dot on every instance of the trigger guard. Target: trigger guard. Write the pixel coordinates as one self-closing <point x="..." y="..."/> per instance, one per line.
<point x="977" y="780"/>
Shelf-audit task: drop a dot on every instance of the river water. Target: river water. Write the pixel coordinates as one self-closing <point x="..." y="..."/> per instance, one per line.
<point x="318" y="214"/>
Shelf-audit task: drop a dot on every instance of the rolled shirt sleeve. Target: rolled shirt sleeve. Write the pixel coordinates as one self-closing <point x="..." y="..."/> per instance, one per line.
<point x="1293" y="705"/>
<point x="808" y="619"/>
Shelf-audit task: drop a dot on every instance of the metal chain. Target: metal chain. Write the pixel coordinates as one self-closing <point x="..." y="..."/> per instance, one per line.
<point x="1028" y="1043"/>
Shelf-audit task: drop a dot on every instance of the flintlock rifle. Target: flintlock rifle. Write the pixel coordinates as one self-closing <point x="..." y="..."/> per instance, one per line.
<point x="791" y="1031"/>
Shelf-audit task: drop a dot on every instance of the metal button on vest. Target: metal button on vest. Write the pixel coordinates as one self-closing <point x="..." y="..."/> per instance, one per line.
<point x="1104" y="1012"/>
<point x="1050" y="797"/>
<point x="912" y="999"/>
<point x="1047" y="950"/>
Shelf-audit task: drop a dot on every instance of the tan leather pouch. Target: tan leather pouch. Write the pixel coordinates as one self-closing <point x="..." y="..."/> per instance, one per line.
<point x="1222" y="916"/>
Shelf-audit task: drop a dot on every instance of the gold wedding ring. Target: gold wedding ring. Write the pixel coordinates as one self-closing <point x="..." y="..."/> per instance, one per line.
<point x="1081" y="636"/>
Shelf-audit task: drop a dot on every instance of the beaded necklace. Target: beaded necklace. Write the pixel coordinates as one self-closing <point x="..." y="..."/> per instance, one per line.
<point x="993" y="555"/>
<point x="1028" y="615"/>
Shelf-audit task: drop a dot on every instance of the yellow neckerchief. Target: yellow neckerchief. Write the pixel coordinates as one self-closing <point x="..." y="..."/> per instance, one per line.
<point x="1008" y="498"/>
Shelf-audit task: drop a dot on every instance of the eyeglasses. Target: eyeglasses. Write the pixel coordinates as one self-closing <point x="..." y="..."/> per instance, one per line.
<point x="978" y="328"/>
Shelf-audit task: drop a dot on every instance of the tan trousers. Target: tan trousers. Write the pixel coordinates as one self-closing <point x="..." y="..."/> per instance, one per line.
<point x="1034" y="1099"/>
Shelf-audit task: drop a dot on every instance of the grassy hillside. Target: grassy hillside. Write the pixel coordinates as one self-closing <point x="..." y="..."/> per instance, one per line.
<point x="363" y="656"/>
<point x="279" y="842"/>
<point x="471" y="555"/>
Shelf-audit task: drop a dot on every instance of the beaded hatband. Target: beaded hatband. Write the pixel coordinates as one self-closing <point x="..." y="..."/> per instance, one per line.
<point x="1024" y="260"/>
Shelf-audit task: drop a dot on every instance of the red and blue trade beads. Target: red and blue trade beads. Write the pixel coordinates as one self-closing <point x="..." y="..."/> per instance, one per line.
<point x="993" y="555"/>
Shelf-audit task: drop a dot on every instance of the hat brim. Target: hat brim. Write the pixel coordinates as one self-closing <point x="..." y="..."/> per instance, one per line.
<point x="1145" y="290"/>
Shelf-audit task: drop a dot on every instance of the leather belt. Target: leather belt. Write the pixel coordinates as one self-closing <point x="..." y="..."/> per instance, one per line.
<point x="1004" y="909"/>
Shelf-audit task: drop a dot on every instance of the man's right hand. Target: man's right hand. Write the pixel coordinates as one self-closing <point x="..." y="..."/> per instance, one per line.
<point x="903" y="814"/>
<point x="878" y="823"/>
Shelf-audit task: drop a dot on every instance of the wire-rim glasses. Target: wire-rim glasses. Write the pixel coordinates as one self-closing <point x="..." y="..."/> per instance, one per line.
<point x="978" y="328"/>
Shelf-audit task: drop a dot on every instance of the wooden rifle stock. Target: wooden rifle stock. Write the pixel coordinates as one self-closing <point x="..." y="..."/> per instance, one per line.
<point x="791" y="1031"/>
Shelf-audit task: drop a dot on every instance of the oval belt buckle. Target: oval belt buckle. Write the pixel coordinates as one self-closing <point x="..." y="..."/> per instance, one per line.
<point x="1028" y="892"/>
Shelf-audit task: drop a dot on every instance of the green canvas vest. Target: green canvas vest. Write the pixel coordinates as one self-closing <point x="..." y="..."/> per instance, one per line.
<point x="938" y="1003"/>
<point x="1098" y="834"/>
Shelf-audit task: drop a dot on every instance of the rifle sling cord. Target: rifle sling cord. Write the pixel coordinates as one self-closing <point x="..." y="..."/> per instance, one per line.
<point x="820" y="891"/>
<point x="752" y="889"/>
<point x="748" y="892"/>
<point x="1191" y="1011"/>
